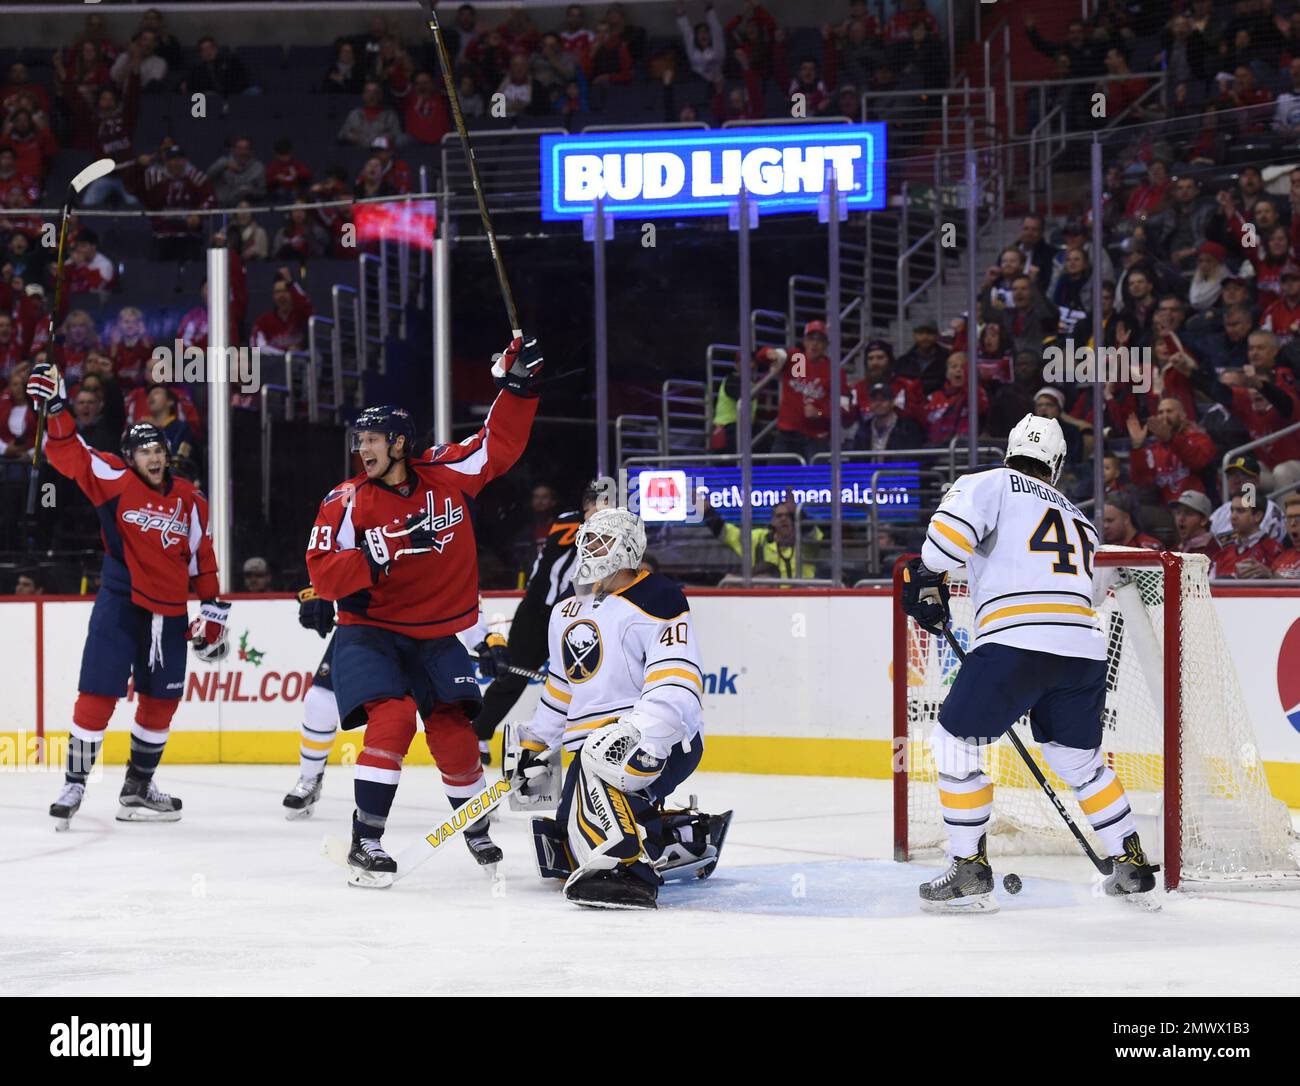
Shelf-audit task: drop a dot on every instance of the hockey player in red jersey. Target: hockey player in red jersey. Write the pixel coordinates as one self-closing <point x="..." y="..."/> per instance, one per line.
<point x="156" y="552"/>
<point x="395" y="547"/>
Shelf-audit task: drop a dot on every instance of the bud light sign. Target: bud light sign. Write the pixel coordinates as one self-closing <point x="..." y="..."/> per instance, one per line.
<point x="664" y="495"/>
<point x="688" y="172"/>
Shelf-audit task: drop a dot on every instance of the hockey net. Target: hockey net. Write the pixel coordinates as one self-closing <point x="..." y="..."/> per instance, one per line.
<point x="1176" y="732"/>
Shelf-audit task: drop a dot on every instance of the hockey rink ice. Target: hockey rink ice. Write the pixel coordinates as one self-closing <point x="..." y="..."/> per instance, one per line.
<point x="236" y="900"/>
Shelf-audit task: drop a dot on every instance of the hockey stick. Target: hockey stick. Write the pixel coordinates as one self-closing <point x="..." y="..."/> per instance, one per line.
<point x="1103" y="865"/>
<point x="99" y="168"/>
<point x="536" y="676"/>
<point x="336" y="849"/>
<point x="453" y="99"/>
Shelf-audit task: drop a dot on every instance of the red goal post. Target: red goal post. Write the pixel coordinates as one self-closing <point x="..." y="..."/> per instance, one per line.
<point x="1234" y="830"/>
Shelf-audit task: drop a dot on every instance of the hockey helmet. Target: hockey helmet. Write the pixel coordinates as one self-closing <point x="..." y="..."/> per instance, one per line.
<point x="141" y="436"/>
<point x="1040" y="439"/>
<point x="610" y="540"/>
<point x="392" y="422"/>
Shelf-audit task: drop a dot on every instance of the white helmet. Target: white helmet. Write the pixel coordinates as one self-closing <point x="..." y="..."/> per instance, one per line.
<point x="610" y="540"/>
<point x="1039" y="439"/>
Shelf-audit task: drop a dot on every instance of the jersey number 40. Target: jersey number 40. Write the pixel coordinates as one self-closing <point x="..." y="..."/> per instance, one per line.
<point x="1051" y="535"/>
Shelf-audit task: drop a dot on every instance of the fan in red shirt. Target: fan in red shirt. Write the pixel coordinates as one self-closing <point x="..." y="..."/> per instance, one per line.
<point x="1249" y="553"/>
<point x="947" y="409"/>
<point x="1119" y="525"/>
<point x="12" y="180"/>
<point x="103" y="123"/>
<point x="19" y="85"/>
<point x="1287" y="563"/>
<point x="1150" y="196"/>
<point x="283" y="327"/>
<point x="130" y="348"/>
<point x="395" y="547"/>
<point x="425" y="114"/>
<point x="17" y="418"/>
<point x="156" y="552"/>
<point x="33" y="146"/>
<point x="907" y="392"/>
<point x="576" y="38"/>
<point x="177" y="185"/>
<point x="1169" y="451"/>
<point x="11" y="349"/>
<point x="286" y="176"/>
<point x="1192" y="512"/>
<point x="1282" y="317"/>
<point x="1121" y="93"/>
<point x="88" y="270"/>
<point x="803" y="416"/>
<point x="910" y="12"/>
<point x="80" y="337"/>
<point x="396" y="172"/>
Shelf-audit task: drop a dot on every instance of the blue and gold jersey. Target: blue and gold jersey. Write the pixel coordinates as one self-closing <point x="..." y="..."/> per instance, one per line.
<point x="607" y="653"/>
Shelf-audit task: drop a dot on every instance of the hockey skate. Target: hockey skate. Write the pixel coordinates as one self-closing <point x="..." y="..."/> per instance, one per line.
<point x="141" y="801"/>
<point x="302" y="798"/>
<point x="610" y="889"/>
<point x="68" y="803"/>
<point x="369" y="865"/>
<point x="694" y="843"/>
<point x="966" y="887"/>
<point x="481" y="846"/>
<point x="1133" y="877"/>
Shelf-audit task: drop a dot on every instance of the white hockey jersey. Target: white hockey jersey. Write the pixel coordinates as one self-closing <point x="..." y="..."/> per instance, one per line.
<point x="1028" y="554"/>
<point x="607" y="653"/>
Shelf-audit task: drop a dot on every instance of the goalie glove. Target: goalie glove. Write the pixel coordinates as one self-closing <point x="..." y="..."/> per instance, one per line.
<point x="208" y="632"/>
<point x="532" y="768"/>
<point x="493" y="658"/>
<point x="315" y="613"/>
<point x="517" y="367"/>
<point x="925" y="596"/>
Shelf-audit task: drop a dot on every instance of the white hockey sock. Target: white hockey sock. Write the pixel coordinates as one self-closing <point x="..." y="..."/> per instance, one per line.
<point x="1098" y="791"/>
<point x="965" y="791"/>
<point x="320" y="723"/>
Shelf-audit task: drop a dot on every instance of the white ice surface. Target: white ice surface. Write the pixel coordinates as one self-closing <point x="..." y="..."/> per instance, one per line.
<point x="236" y="900"/>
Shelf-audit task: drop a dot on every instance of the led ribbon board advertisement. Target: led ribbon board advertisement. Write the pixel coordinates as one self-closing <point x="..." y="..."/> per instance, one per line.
<point x="675" y="172"/>
<point x="657" y="494"/>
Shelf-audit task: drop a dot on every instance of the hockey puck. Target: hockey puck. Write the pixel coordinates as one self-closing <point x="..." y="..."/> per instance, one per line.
<point x="1011" y="884"/>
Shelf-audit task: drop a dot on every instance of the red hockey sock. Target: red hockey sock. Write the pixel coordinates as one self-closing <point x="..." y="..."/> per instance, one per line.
<point x="454" y="746"/>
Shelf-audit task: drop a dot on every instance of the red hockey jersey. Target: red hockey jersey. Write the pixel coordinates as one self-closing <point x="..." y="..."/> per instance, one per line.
<point x="156" y="546"/>
<point x="425" y="595"/>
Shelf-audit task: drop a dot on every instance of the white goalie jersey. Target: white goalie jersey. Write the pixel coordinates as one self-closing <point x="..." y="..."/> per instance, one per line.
<point x="608" y="654"/>
<point x="1028" y="553"/>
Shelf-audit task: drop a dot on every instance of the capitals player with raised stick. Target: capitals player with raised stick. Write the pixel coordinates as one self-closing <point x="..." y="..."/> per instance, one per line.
<point x="394" y="546"/>
<point x="624" y="694"/>
<point x="156" y="552"/>
<point x="1038" y="648"/>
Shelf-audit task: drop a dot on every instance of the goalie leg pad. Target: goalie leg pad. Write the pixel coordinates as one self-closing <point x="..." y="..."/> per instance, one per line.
<point x="602" y="829"/>
<point x="551" y="849"/>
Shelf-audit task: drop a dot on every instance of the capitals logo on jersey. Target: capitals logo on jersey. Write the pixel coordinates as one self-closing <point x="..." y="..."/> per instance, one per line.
<point x="582" y="650"/>
<point x="166" y="522"/>
<point x="451" y="515"/>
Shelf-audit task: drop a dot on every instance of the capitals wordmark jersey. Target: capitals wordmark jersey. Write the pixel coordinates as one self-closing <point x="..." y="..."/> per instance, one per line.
<point x="1028" y="552"/>
<point x="422" y="595"/>
<point x="607" y="653"/>
<point x="156" y="545"/>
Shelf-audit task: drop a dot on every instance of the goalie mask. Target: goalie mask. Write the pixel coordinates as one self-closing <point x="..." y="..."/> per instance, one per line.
<point x="610" y="540"/>
<point x="1039" y="439"/>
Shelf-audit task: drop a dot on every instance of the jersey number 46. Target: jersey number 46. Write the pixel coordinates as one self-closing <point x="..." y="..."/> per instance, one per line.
<point x="1051" y="535"/>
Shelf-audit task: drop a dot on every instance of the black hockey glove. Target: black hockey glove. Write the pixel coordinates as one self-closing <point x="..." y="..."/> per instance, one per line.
<point x="315" y="613"/>
<point x="925" y="596"/>
<point x="493" y="659"/>
<point x="517" y="367"/>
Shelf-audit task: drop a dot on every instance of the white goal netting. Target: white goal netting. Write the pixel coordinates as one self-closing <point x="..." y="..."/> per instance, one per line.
<point x="1233" y="831"/>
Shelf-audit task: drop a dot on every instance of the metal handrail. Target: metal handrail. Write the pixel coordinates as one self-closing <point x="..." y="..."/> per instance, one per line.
<point x="903" y="269"/>
<point x="1041" y="161"/>
<point x="1258" y="443"/>
<point x="315" y="353"/>
<point x="1157" y="86"/>
<point x="993" y="445"/>
<point x="873" y="514"/>
<point x="654" y="430"/>
<point x="676" y="392"/>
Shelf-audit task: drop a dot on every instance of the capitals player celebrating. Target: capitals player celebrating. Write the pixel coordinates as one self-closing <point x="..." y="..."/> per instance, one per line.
<point x="394" y="546"/>
<point x="1039" y="649"/>
<point x="624" y="694"/>
<point x="156" y="551"/>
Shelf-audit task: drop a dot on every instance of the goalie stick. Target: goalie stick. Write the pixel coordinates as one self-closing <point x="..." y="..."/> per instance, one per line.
<point x="336" y="849"/>
<point x="1103" y="865"/>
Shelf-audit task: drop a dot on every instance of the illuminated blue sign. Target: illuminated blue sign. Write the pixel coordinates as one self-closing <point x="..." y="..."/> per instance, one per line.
<point x="691" y="172"/>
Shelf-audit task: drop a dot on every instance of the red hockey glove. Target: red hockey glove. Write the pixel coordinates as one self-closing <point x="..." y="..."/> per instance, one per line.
<point x="45" y="385"/>
<point x="208" y="631"/>
<point x="517" y="367"/>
